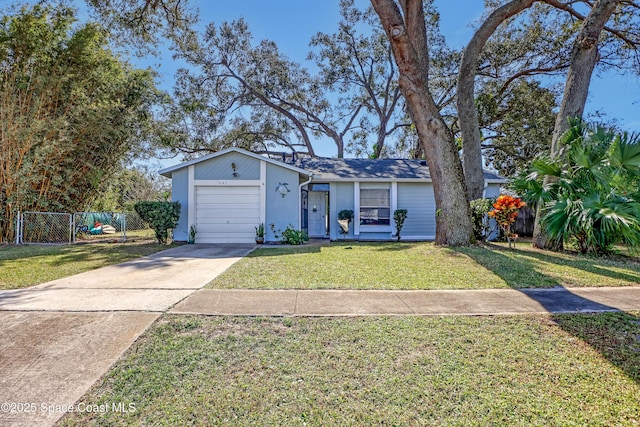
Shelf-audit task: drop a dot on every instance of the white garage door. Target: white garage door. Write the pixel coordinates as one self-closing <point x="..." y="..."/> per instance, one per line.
<point x="227" y="214"/>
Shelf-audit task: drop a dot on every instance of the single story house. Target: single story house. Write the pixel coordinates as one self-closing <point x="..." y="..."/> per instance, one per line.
<point x="228" y="193"/>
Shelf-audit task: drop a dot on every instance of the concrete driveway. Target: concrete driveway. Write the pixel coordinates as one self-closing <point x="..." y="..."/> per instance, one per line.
<point x="152" y="283"/>
<point x="60" y="337"/>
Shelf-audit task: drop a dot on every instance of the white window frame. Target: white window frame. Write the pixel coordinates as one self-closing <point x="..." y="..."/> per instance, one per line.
<point x="392" y="187"/>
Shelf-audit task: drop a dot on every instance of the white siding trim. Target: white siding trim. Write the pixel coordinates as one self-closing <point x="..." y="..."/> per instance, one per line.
<point x="394" y="205"/>
<point x="356" y="209"/>
<point x="225" y="182"/>
<point x="393" y="201"/>
<point x="263" y="192"/>
<point x="333" y="212"/>
<point x="403" y="237"/>
<point x="191" y="197"/>
<point x="168" y="171"/>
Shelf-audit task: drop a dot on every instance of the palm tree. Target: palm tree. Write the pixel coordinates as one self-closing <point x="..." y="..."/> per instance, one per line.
<point x="593" y="199"/>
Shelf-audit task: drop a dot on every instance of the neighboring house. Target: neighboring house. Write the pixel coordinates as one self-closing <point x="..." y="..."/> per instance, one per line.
<point x="228" y="193"/>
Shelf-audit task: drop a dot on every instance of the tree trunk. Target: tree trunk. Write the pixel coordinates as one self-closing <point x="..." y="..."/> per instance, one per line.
<point x="583" y="60"/>
<point x="467" y="113"/>
<point x="408" y="37"/>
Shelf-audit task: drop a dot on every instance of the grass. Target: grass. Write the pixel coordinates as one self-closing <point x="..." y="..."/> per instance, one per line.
<point x="505" y="370"/>
<point x="422" y="266"/>
<point x="28" y="265"/>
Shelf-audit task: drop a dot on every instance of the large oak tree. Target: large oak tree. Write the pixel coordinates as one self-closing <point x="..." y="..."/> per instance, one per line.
<point x="404" y="23"/>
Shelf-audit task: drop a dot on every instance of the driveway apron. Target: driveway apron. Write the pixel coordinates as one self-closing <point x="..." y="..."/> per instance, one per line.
<point x="60" y="337"/>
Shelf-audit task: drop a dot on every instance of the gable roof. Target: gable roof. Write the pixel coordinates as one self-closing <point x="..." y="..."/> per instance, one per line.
<point x="331" y="169"/>
<point x="168" y="171"/>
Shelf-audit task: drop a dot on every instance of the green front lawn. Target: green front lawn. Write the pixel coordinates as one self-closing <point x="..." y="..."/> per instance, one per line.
<point x="422" y="266"/>
<point x="581" y="369"/>
<point x="28" y="265"/>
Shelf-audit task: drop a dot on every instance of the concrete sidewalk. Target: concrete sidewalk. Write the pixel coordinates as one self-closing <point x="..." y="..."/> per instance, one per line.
<point x="383" y="303"/>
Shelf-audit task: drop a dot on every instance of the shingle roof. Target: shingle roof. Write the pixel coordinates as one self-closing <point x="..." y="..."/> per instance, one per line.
<point x="331" y="169"/>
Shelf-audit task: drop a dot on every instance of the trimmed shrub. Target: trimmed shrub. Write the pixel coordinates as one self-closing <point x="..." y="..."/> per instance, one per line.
<point x="161" y="216"/>
<point x="399" y="216"/>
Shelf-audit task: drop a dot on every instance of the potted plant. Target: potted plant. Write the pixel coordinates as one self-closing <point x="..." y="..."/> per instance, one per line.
<point x="192" y="234"/>
<point x="345" y="217"/>
<point x="260" y="233"/>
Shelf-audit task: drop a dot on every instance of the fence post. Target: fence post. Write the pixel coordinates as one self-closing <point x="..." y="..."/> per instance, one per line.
<point x="71" y="228"/>
<point x="18" y="229"/>
<point x="123" y="224"/>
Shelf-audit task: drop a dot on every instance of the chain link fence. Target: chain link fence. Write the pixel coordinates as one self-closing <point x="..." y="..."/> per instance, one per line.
<point x="100" y="225"/>
<point x="55" y="227"/>
<point x="136" y="227"/>
<point x="45" y="227"/>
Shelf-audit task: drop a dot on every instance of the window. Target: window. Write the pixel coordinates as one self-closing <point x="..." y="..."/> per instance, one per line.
<point x="375" y="207"/>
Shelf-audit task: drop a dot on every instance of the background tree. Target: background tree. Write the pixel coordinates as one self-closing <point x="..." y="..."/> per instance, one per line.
<point x="516" y="124"/>
<point x="236" y="79"/>
<point x="359" y="67"/>
<point x="143" y="24"/>
<point x="70" y="111"/>
<point x="129" y="186"/>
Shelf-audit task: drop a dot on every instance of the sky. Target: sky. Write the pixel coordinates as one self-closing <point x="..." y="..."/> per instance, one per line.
<point x="291" y="24"/>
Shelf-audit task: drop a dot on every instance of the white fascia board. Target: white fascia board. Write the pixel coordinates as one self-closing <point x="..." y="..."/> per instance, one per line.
<point x="318" y="179"/>
<point x="168" y="170"/>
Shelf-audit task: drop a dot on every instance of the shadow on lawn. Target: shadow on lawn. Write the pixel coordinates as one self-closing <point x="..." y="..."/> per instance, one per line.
<point x="520" y="268"/>
<point x="592" y="265"/>
<point x="612" y="333"/>
<point x="278" y="250"/>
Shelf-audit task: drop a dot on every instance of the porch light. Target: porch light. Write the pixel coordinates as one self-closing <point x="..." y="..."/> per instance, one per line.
<point x="282" y="188"/>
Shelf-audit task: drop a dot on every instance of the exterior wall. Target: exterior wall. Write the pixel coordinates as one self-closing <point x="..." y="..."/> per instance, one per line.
<point x="220" y="168"/>
<point x="375" y="236"/>
<point x="281" y="211"/>
<point x="180" y="193"/>
<point x="492" y="190"/>
<point x="418" y="200"/>
<point x="340" y="198"/>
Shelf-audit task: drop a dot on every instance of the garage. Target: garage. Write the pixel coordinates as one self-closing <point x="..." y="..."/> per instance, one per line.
<point x="227" y="214"/>
<point x="228" y="193"/>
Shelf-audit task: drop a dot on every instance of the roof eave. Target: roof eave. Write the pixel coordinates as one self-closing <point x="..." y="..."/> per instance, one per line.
<point x="167" y="172"/>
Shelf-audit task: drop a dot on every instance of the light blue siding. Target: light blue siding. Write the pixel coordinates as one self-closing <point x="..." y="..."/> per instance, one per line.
<point x="492" y="190"/>
<point x="180" y="193"/>
<point x="418" y="200"/>
<point x="374" y="236"/>
<point x="281" y="211"/>
<point x="247" y="168"/>
<point x="341" y="198"/>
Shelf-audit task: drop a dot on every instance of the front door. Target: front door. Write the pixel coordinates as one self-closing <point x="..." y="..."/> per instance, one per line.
<point x="317" y="213"/>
